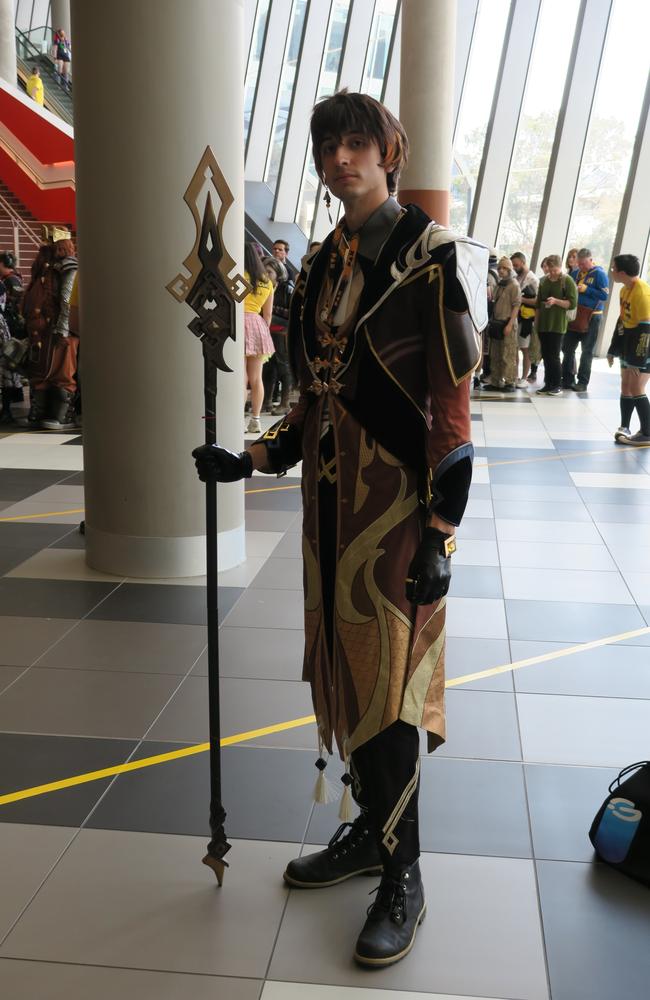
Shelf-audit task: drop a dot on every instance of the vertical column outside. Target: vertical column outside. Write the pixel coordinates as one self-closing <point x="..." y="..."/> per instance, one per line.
<point x="426" y="103"/>
<point x="465" y="24"/>
<point x="634" y="222"/>
<point x="500" y="138"/>
<point x="391" y="94"/>
<point x="571" y="133"/>
<point x="261" y="126"/>
<point x="350" y="76"/>
<point x="142" y="368"/>
<point x="60" y="14"/>
<point x="8" y="67"/>
<point x="304" y="94"/>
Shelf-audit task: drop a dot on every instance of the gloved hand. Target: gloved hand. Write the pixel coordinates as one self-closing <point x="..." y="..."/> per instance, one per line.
<point x="429" y="574"/>
<point x="213" y="462"/>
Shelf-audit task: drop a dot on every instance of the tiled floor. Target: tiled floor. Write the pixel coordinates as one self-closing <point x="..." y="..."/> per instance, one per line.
<point x="101" y="888"/>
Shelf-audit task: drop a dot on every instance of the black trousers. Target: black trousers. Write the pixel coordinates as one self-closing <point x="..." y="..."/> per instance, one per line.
<point x="550" y="343"/>
<point x="277" y="368"/>
<point x="386" y="772"/>
<point x="588" y="343"/>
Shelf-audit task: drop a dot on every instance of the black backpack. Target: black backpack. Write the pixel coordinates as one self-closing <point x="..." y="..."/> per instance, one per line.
<point x="620" y="831"/>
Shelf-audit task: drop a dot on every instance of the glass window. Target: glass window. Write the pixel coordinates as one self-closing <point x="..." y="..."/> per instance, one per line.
<point x="327" y="83"/>
<point x="536" y="130"/>
<point x="378" y="47"/>
<point x="475" y="107"/>
<point x="254" y="61"/>
<point x="612" y="128"/>
<point x="285" y="94"/>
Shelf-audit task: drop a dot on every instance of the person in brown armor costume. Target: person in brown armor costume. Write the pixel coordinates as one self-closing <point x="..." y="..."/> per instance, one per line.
<point x="384" y="334"/>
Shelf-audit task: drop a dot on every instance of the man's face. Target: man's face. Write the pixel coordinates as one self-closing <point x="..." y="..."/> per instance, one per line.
<point x="280" y="251"/>
<point x="518" y="265"/>
<point x="585" y="263"/>
<point x="352" y="166"/>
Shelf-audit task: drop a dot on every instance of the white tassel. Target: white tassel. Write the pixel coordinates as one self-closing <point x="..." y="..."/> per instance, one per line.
<point x="324" y="791"/>
<point x="346" y="812"/>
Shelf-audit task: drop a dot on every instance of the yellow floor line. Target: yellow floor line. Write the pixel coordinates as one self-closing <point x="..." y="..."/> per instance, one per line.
<point x="136" y="765"/>
<point x="52" y="513"/>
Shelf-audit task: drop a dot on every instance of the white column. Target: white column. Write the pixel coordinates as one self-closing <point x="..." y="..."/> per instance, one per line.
<point x="427" y="102"/>
<point x="60" y="17"/>
<point x="8" y="70"/>
<point x="139" y="136"/>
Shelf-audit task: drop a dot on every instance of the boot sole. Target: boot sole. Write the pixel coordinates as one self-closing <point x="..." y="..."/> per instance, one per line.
<point x="376" y="870"/>
<point x="391" y="959"/>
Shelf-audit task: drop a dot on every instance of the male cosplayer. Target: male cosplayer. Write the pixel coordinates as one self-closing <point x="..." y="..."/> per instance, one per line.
<point x="384" y="334"/>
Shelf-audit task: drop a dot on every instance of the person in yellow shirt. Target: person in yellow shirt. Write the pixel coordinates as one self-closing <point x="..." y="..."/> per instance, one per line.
<point x="35" y="86"/>
<point x="631" y="343"/>
<point x="258" y="306"/>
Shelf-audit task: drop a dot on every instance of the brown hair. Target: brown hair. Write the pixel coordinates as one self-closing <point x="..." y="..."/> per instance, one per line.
<point x="64" y="248"/>
<point x="554" y="260"/>
<point x="345" y="112"/>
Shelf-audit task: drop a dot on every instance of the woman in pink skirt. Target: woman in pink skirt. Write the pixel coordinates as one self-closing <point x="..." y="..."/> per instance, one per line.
<point x="258" y="306"/>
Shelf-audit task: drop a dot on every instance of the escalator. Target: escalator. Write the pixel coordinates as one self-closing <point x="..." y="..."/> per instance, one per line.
<point x="32" y="50"/>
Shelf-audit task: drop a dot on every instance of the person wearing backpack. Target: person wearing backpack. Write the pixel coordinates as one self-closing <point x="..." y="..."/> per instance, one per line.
<point x="557" y="296"/>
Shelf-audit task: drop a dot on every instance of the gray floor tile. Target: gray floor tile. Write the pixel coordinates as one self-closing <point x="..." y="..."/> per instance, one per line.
<point x="178" y="920"/>
<point x="8" y="675"/>
<point x="481" y="724"/>
<point x="541" y="532"/>
<point x="596" y="732"/>
<point x="593" y="588"/>
<point x="246" y="705"/>
<point x="269" y="520"/>
<point x="84" y="703"/>
<point x="73" y="540"/>
<point x="608" y="513"/>
<point x="481" y="935"/>
<point x="476" y="581"/>
<point x="566" y="556"/>
<point x="264" y="653"/>
<point x="10" y="558"/>
<point x="614" y="671"/>
<point x="612" y="495"/>
<point x="289" y="547"/>
<point x="476" y="552"/>
<point x="55" y="981"/>
<point x="596" y="927"/>
<point x="530" y="491"/>
<point x="468" y="656"/>
<point x="281" y="574"/>
<point x="267" y="794"/>
<point x="51" y="598"/>
<point x="540" y="510"/>
<point x="569" y="622"/>
<point x="20" y="535"/>
<point x="268" y="609"/>
<point x="476" y="527"/>
<point x="285" y="498"/>
<point x="173" y="604"/>
<point x="33" y="851"/>
<point x="563" y="802"/>
<point x="528" y="473"/>
<point x="27" y="761"/>
<point x="141" y="647"/>
<point x="25" y="639"/>
<point x="18" y="484"/>
<point x="475" y="617"/>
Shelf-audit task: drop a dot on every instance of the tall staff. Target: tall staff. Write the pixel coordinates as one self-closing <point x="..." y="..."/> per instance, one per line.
<point x="211" y="290"/>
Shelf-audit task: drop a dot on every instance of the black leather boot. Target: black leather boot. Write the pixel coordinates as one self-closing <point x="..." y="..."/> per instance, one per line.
<point x="347" y="854"/>
<point x="393" y="919"/>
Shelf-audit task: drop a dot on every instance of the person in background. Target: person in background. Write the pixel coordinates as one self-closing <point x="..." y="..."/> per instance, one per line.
<point x="13" y="289"/>
<point x="535" y="346"/>
<point x="258" y="344"/>
<point x="34" y="86"/>
<point x="492" y="282"/>
<point x="11" y="384"/>
<point x="503" y="352"/>
<point x="277" y="369"/>
<point x="593" y="290"/>
<point x="557" y="294"/>
<point x="62" y="57"/>
<point x="631" y="343"/>
<point x="529" y="285"/>
<point x="571" y="261"/>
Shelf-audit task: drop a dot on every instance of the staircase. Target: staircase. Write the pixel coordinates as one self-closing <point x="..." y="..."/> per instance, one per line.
<point x="19" y="231"/>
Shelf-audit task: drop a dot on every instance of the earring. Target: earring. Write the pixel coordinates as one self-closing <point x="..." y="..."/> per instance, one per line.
<point x="328" y="204"/>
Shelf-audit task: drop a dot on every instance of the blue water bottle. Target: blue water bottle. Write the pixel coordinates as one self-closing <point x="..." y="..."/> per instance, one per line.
<point x="617" y="829"/>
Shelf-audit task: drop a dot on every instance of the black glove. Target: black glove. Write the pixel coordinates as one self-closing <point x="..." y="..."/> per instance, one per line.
<point x="430" y="570"/>
<point x="213" y="462"/>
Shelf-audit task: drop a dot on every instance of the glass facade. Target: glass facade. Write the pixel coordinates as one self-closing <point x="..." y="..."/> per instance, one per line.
<point x="383" y="24"/>
<point x="285" y="94"/>
<point x="475" y="107"/>
<point x="536" y="132"/>
<point x="327" y="82"/>
<point x="254" y="61"/>
<point x="612" y="127"/>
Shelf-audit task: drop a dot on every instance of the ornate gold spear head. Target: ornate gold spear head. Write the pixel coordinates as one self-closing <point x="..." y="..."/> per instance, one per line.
<point x="211" y="289"/>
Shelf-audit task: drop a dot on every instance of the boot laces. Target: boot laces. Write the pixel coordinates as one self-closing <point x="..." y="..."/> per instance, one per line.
<point x="343" y="842"/>
<point x="391" y="899"/>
